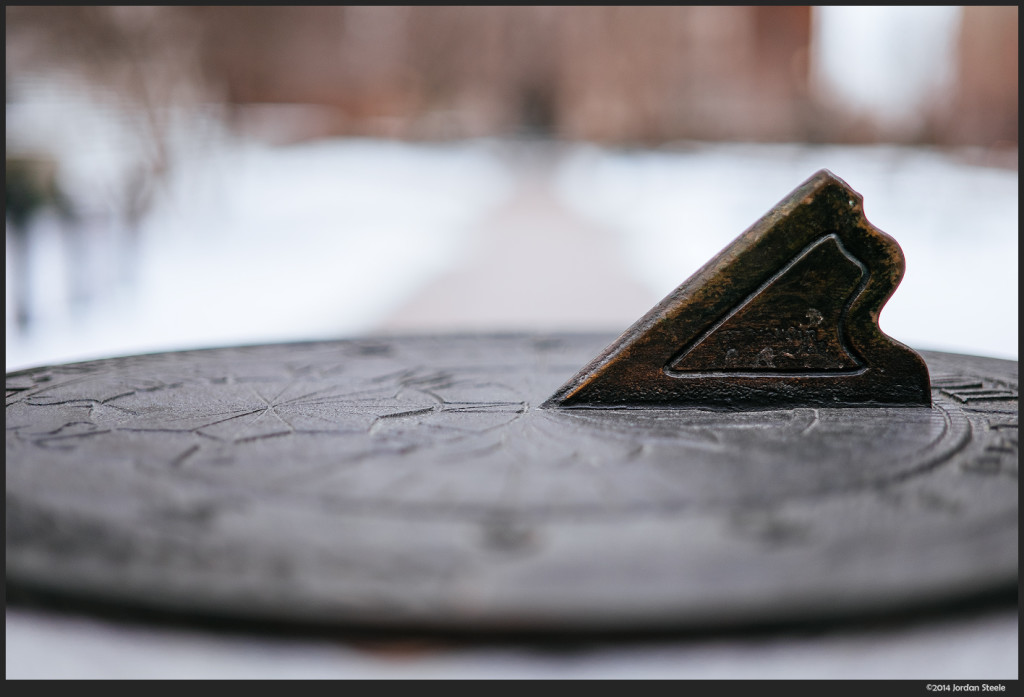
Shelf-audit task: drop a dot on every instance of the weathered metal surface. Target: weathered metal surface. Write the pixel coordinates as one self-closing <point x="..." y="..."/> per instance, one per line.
<point x="415" y="483"/>
<point x="786" y="315"/>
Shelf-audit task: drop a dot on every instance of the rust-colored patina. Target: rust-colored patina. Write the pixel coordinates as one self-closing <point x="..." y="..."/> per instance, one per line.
<point x="786" y="315"/>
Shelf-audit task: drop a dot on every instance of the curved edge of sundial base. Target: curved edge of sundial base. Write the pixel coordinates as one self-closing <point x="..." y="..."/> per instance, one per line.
<point x="786" y="315"/>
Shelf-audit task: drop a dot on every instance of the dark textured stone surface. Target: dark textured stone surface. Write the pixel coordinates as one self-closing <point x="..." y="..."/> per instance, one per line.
<point x="786" y="315"/>
<point x="414" y="482"/>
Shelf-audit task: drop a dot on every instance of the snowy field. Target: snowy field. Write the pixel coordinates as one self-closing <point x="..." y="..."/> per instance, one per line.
<point x="249" y="243"/>
<point x="253" y="244"/>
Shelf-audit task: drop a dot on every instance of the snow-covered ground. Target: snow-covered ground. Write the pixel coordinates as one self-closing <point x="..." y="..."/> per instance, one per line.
<point x="256" y="244"/>
<point x="250" y="243"/>
<point x="982" y="646"/>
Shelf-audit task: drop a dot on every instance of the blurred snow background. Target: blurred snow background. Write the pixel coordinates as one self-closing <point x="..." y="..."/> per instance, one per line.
<point x="250" y="243"/>
<point x="245" y="243"/>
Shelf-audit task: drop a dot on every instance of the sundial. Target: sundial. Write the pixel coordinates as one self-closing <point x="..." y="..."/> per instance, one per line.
<point x="754" y="449"/>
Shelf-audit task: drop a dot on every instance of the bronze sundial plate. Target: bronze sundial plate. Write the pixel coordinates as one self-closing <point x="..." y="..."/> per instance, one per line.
<point x="417" y="483"/>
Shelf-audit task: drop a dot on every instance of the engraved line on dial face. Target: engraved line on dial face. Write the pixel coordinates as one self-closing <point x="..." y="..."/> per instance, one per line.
<point x="402" y="446"/>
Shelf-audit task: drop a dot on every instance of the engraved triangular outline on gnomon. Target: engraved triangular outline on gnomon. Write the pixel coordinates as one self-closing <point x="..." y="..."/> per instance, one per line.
<point x="848" y="361"/>
<point x="817" y="236"/>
